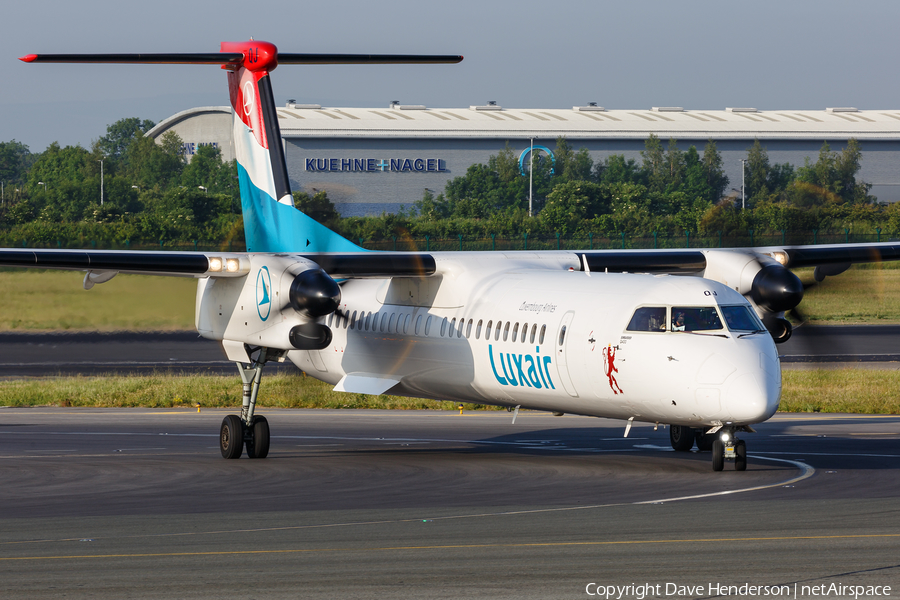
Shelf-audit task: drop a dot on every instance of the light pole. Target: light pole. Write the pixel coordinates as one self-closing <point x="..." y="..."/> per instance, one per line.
<point x="743" y="203"/>
<point x="530" y="177"/>
<point x="101" y="181"/>
<point x="205" y="191"/>
<point x="43" y="184"/>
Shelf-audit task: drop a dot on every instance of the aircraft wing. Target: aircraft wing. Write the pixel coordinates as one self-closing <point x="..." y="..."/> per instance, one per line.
<point x="212" y="264"/>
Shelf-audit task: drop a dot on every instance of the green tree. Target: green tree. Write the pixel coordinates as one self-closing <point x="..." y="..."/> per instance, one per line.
<point x="318" y="207"/>
<point x="15" y="159"/>
<point x="716" y="180"/>
<point x="756" y="173"/>
<point x="119" y="136"/>
<point x="150" y="164"/>
<point x="654" y="164"/>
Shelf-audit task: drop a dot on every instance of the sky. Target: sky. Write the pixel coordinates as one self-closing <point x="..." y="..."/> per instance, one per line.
<point x="698" y="54"/>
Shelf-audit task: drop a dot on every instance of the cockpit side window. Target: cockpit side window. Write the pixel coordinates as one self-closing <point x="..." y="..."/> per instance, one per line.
<point x="693" y="318"/>
<point x="740" y="318"/>
<point x="648" y="318"/>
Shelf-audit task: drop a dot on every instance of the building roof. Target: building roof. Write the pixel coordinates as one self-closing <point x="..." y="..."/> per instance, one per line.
<point x="586" y="122"/>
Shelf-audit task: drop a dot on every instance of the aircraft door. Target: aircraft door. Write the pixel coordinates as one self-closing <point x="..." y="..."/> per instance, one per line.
<point x="561" y="342"/>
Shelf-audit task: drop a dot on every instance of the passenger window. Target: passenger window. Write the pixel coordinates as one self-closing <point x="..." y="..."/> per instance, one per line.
<point x="443" y="326"/>
<point x="384" y="318"/>
<point x="524" y="332"/>
<point x="330" y="319"/>
<point x="428" y="325"/>
<point x="478" y="330"/>
<point x="562" y="335"/>
<point x="487" y="331"/>
<point x="543" y="331"/>
<point x="469" y="329"/>
<point x="497" y="330"/>
<point x="452" y="327"/>
<point x="418" y="324"/>
<point x="648" y="318"/>
<point x="695" y="319"/>
<point x="533" y="332"/>
<point x="353" y="320"/>
<point x="506" y="331"/>
<point x="391" y="323"/>
<point x="406" y="324"/>
<point x="459" y="329"/>
<point x="515" y="332"/>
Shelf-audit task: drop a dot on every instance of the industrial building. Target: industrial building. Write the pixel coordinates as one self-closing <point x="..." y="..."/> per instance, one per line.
<point x="374" y="159"/>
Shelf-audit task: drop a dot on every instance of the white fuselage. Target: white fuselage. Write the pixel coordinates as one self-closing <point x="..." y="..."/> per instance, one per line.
<point x="523" y="330"/>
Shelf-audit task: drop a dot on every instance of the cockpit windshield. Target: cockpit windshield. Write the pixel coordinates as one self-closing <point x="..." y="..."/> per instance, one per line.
<point x="740" y="318"/>
<point x="648" y="318"/>
<point x="692" y="318"/>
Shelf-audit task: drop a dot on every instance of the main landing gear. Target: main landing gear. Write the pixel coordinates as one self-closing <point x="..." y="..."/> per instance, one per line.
<point x="721" y="440"/>
<point x="248" y="429"/>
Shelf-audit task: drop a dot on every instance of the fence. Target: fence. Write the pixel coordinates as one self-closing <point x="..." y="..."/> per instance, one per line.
<point x="623" y="241"/>
<point x="526" y="242"/>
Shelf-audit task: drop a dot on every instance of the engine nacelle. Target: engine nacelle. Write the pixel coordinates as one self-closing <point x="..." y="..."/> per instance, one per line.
<point x="314" y="293"/>
<point x="770" y="286"/>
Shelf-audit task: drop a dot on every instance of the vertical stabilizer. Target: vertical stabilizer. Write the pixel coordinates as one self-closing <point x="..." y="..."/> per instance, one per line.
<point x="271" y="223"/>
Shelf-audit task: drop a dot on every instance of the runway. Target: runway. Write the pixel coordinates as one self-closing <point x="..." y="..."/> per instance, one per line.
<point x="91" y="353"/>
<point x="137" y="503"/>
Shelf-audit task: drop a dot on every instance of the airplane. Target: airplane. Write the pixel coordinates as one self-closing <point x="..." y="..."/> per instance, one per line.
<point x="680" y="338"/>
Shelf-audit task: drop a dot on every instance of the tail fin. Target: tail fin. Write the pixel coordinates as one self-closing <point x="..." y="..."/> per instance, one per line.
<point x="271" y="223"/>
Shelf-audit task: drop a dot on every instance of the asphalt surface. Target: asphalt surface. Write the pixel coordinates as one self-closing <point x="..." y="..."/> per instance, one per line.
<point x="42" y="354"/>
<point x="137" y="503"/>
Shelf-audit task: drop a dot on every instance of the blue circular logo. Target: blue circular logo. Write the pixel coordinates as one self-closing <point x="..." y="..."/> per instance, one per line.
<point x="538" y="150"/>
<point x="263" y="293"/>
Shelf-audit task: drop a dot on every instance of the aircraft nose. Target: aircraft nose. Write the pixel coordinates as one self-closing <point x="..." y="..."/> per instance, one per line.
<point x="753" y="396"/>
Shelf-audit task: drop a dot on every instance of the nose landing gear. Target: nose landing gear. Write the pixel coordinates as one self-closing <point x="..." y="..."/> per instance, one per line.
<point x="728" y="447"/>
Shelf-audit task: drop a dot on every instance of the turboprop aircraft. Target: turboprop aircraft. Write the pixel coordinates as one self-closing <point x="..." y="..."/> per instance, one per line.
<point x="684" y="338"/>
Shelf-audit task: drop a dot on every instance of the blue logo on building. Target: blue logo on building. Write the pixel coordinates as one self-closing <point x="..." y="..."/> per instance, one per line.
<point x="537" y="157"/>
<point x="263" y="293"/>
<point x="526" y="370"/>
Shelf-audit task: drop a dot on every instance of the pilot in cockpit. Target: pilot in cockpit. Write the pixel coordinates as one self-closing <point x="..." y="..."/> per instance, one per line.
<point x="678" y="322"/>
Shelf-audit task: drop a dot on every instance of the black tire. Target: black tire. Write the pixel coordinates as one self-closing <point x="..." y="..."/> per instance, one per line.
<point x="705" y="440"/>
<point x="681" y="438"/>
<point x="258" y="446"/>
<point x="231" y="437"/>
<point x="718" y="455"/>
<point x="740" y="456"/>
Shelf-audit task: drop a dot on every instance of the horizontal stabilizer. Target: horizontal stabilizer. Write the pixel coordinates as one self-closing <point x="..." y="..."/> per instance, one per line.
<point x="285" y="58"/>
<point x="365" y="384"/>
<point x="202" y="58"/>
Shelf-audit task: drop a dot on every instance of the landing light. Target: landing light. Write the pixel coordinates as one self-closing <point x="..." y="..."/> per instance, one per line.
<point x="781" y="257"/>
<point x="232" y="265"/>
<point x="725" y="437"/>
<point x="215" y="264"/>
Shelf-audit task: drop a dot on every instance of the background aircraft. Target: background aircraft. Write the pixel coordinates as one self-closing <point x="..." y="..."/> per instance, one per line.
<point x="683" y="338"/>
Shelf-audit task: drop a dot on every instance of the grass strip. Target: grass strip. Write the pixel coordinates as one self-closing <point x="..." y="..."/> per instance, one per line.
<point x="823" y="390"/>
<point x="166" y="391"/>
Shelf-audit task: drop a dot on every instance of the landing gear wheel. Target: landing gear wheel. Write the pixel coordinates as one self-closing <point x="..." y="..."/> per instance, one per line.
<point x="231" y="437"/>
<point x="718" y="455"/>
<point x="705" y="441"/>
<point x="740" y="456"/>
<point x="681" y="437"/>
<point x="258" y="443"/>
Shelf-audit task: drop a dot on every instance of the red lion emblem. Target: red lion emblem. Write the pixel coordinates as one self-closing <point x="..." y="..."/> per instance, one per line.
<point x="609" y="358"/>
